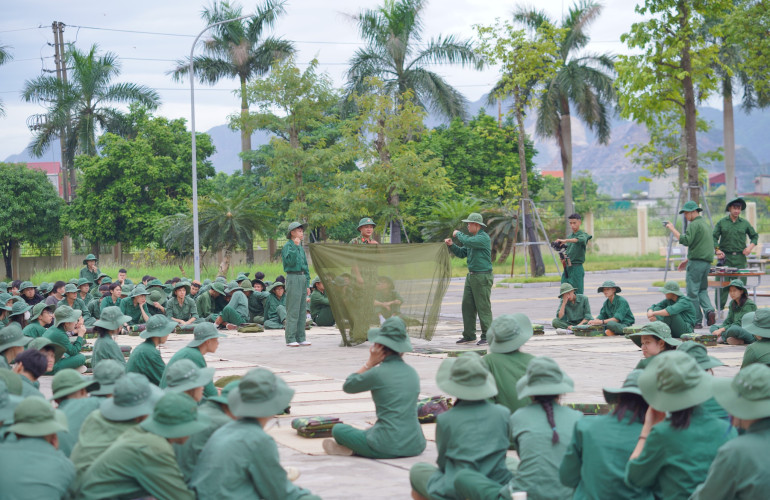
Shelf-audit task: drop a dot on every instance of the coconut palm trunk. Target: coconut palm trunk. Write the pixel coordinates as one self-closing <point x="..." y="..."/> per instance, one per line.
<point x="728" y="126"/>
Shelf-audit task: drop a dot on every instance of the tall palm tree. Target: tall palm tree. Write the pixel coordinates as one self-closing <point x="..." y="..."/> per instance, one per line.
<point x="5" y="56"/>
<point x="584" y="82"/>
<point x="239" y="50"/>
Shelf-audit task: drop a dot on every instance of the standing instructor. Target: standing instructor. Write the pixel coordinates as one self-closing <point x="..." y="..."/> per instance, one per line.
<point x="576" y="244"/>
<point x="730" y="242"/>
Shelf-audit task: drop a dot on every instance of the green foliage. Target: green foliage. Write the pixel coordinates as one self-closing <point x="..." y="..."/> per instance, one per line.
<point x="747" y="27"/>
<point x="586" y="192"/>
<point x="447" y="216"/>
<point x="5" y="56"/>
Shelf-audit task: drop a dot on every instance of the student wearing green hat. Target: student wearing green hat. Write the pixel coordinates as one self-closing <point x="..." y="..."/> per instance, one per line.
<point x="18" y="313"/>
<point x="757" y="324"/>
<point x="39" y="320"/>
<point x="275" y="309"/>
<point x="84" y="290"/>
<point x="297" y="285"/>
<point x="145" y="358"/>
<point x="114" y="298"/>
<point x="615" y="313"/>
<point x="72" y="300"/>
<point x="505" y="361"/>
<point x="473" y="435"/>
<point x="181" y="308"/>
<point x="236" y="312"/>
<point x="595" y="461"/>
<point x="29" y="293"/>
<point x="573" y="310"/>
<point x="240" y="460"/>
<point x="30" y="365"/>
<point x="107" y="373"/>
<point x="90" y="271"/>
<point x="654" y="338"/>
<point x="70" y="391"/>
<point x="700" y="252"/>
<point x="157" y="298"/>
<point x="141" y="461"/>
<point x="109" y="324"/>
<point x="320" y="310"/>
<point x="12" y="342"/>
<point x="257" y="302"/>
<point x="8" y="403"/>
<point x="67" y="320"/>
<point x="730" y="235"/>
<point x="707" y="363"/>
<point x="731" y="332"/>
<point x="135" y="305"/>
<point x="677" y="310"/>
<point x="53" y="352"/>
<point x="31" y="466"/>
<point x="576" y="243"/>
<point x="673" y="454"/>
<point x="185" y="376"/>
<point x="211" y="302"/>
<point x="206" y="340"/>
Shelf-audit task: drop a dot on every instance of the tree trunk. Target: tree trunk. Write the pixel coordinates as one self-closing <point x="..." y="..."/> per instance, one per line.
<point x="250" y="252"/>
<point x="224" y="266"/>
<point x="7" y="249"/>
<point x="272" y="248"/>
<point x="729" y="137"/>
<point x="95" y="249"/>
<point x="565" y="146"/>
<point x="690" y="111"/>
<point x="395" y="224"/>
<point x="681" y="166"/>
<point x="245" y="132"/>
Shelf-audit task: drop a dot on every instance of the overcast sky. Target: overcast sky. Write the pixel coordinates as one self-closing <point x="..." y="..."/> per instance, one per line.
<point x="319" y="29"/>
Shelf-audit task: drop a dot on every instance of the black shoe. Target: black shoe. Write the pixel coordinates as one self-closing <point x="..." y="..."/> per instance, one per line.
<point x="711" y="318"/>
<point x="465" y="341"/>
<point x="482" y="342"/>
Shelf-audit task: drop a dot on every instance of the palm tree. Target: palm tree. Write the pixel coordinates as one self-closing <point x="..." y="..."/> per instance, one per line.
<point x="583" y="82"/>
<point x="5" y="56"/>
<point x="239" y="50"/>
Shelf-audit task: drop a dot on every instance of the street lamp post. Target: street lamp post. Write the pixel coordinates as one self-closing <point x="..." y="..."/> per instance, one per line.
<point x="196" y="235"/>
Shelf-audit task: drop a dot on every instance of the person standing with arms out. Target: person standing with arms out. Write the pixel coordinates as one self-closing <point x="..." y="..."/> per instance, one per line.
<point x="700" y="253"/>
<point x="477" y="248"/>
<point x="576" y="253"/>
<point x="730" y="242"/>
<point x="364" y="284"/>
<point x="297" y="285"/>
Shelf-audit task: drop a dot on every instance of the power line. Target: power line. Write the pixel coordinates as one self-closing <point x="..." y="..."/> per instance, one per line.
<point x="24" y="29"/>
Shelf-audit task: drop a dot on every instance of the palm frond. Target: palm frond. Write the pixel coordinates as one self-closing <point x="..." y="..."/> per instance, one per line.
<point x="577" y="20"/>
<point x="433" y="90"/>
<point x="449" y="50"/>
<point x="531" y="17"/>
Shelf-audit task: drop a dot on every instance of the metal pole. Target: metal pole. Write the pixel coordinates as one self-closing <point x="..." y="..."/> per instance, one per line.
<point x="196" y="236"/>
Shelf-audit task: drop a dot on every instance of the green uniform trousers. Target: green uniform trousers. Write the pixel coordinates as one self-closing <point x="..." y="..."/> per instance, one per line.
<point x="69" y="362"/>
<point x="738" y="261"/>
<point x="272" y="324"/>
<point x="696" y="277"/>
<point x="737" y="332"/>
<point x="476" y="301"/>
<point x="260" y="320"/>
<point x="355" y="439"/>
<point x="615" y="327"/>
<point x="574" y="276"/>
<point x="560" y="323"/>
<point x="476" y="486"/>
<point x="324" y="317"/>
<point x="296" y="307"/>
<point x="230" y="315"/>
<point x="676" y="324"/>
<point x="419" y="475"/>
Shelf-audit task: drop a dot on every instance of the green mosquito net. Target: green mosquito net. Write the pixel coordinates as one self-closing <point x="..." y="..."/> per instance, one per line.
<point x="367" y="284"/>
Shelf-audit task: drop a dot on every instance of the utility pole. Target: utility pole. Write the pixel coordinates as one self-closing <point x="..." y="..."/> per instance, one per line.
<point x="59" y="60"/>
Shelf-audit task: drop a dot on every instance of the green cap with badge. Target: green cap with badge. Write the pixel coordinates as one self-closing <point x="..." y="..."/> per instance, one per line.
<point x="366" y="221"/>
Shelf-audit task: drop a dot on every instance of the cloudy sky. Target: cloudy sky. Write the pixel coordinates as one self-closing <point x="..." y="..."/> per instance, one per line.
<point x="149" y="36"/>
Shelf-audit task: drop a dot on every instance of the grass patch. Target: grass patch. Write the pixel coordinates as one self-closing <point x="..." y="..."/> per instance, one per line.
<point x="682" y="284"/>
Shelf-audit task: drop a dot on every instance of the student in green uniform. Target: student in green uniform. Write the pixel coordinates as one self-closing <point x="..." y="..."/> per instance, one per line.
<point x="71" y="299"/>
<point x="8" y="403"/>
<point x="145" y="358"/>
<point x="576" y="243"/>
<point x="240" y="460"/>
<point x="616" y="313"/>
<point x="53" y="352"/>
<point x="30" y="365"/>
<point x="707" y="363"/>
<point x="39" y="320"/>
<point x="141" y="461"/>
<point x="505" y="361"/>
<point x="275" y="308"/>
<point x="211" y="302"/>
<point x="677" y="310"/>
<point x="66" y="320"/>
<point x="185" y="376"/>
<point x="135" y="305"/>
<point x="654" y="338"/>
<point x="320" y="310"/>
<point x="387" y="300"/>
<point x="730" y="235"/>
<point x="181" y="308"/>
<point x="57" y="293"/>
<point x="700" y="252"/>
<point x="31" y="466"/>
<point x="90" y="271"/>
<point x="236" y="312"/>
<point x="12" y="342"/>
<point x="362" y="285"/>
<point x="156" y="300"/>
<point x="114" y="298"/>
<point x="395" y="388"/>
<point x="84" y="289"/>
<point x="108" y="325"/>
<point x="738" y="471"/>
<point x="757" y="324"/>
<point x="123" y="278"/>
<point x="595" y="462"/>
<point x="673" y="454"/>
<point x="107" y="373"/>
<point x="18" y="311"/>
<point x="206" y="340"/>
<point x="731" y="332"/>
<point x="297" y="285"/>
<point x="573" y="310"/>
<point x="70" y="391"/>
<point x="477" y="248"/>
<point x="257" y="302"/>
<point x="29" y="293"/>
<point x="473" y="435"/>
<point x="195" y="287"/>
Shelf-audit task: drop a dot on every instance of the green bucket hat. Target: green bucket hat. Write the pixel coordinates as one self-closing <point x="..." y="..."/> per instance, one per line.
<point x="737" y="283"/>
<point x="12" y="336"/>
<point x="672" y="287"/>
<point x="39" y="308"/>
<point x="185" y="375"/>
<point x="241" y="277"/>
<point x="608" y="284"/>
<point x="466" y="377"/>
<point x="133" y="396"/>
<point x="175" y="415"/>
<point x="565" y="288"/>
<point x="84" y="281"/>
<point x="292" y="227"/>
<point x="24" y="285"/>
<point x="391" y="334"/>
<point x="673" y="381"/>
<point x="67" y="381"/>
<point x="690" y="206"/>
<point x="260" y="393"/>
<point x="222" y="397"/>
<point x="138" y="290"/>
<point x="274" y="285"/>
<point x="218" y="287"/>
<point x="65" y="314"/>
<point x="17" y="298"/>
<point x="544" y="378"/>
<point x="90" y="256"/>
<point x="19" y="308"/>
<point x="70" y="288"/>
<point x="73" y="281"/>
<point x="477" y="218"/>
<point x="3" y="286"/>
<point x="630" y="386"/>
<point x="157" y="326"/>
<point x="156" y="295"/>
<point x="45" y="288"/>
<point x="315" y="281"/>
<point x="699" y="353"/>
<point x="106" y="280"/>
<point x="125" y="290"/>
<point x="758" y="324"/>
<point x="182" y="284"/>
<point x="35" y="417"/>
<point x="8" y="403"/>
<point x="12" y="380"/>
<point x="40" y="342"/>
<point x="246" y="285"/>
<point x="509" y="332"/>
<point x="154" y="283"/>
<point x="232" y="287"/>
<point x="204" y="331"/>
<point x="112" y="318"/>
<point x="107" y="372"/>
<point x="101" y="276"/>
<point x="366" y="221"/>
<point x="737" y="201"/>
<point x="656" y="329"/>
<point x="747" y="396"/>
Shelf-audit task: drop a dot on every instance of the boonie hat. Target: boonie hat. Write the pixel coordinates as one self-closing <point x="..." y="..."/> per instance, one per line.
<point x="65" y="314"/>
<point x="40" y="342"/>
<point x="107" y="372"/>
<point x="759" y="325"/>
<point x="133" y="396"/>
<point x="35" y="417"/>
<point x="292" y="227"/>
<point x="747" y="395"/>
<point x="737" y="201"/>
<point x="466" y="377"/>
<point x="70" y="288"/>
<point x="608" y="284"/>
<point x="67" y="381"/>
<point x="673" y="381"/>
<point x="391" y="334"/>
<point x="24" y="285"/>
<point x="366" y="221"/>
<point x="218" y="287"/>
<point x="175" y="415"/>
<point x="39" y="308"/>
<point x="19" y="308"/>
<point x="112" y="318"/>
<point x="656" y="329"/>
<point x="12" y="380"/>
<point x="672" y="287"/>
<point x="222" y="396"/>
<point x="90" y="256"/>
<point x="699" y="353"/>
<point x="138" y="290"/>
<point x="476" y="218"/>
<point x="184" y="375"/>
<point x="203" y="332"/>
<point x="690" y="206"/>
<point x="260" y="393"/>
<point x="544" y="378"/>
<point x="157" y="326"/>
<point x="12" y="336"/>
<point x="509" y="332"/>
<point x="630" y="386"/>
<point x="565" y="288"/>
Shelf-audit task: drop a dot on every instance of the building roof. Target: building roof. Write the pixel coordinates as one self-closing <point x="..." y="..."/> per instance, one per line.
<point x="553" y="173"/>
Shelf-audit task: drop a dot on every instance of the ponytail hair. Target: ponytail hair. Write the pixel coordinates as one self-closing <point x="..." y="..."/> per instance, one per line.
<point x="547" y="403"/>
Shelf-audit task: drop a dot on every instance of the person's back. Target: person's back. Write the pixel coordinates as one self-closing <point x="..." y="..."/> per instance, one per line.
<point x="30" y="468"/>
<point x="188" y="453"/>
<point x="508" y="368"/>
<point x="105" y="347"/>
<point x="146" y="359"/>
<point x="77" y="410"/>
<point x="96" y="435"/>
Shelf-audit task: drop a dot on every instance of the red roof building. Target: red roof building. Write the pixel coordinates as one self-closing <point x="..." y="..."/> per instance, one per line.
<point x="52" y="170"/>
<point x="559" y="174"/>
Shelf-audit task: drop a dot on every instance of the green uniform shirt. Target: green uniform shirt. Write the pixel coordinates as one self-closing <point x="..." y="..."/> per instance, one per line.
<point x="271" y="307"/>
<point x="96" y="435"/>
<point x="79" y="305"/>
<point x="59" y="336"/>
<point x="241" y="461"/>
<point x="320" y="308"/>
<point x="577" y="251"/>
<point x="575" y="312"/>
<point x="735" y="313"/>
<point x="106" y="348"/>
<point x="87" y="299"/>
<point x="28" y="388"/>
<point x="257" y="304"/>
<point x="208" y="305"/>
<point x="187" y="310"/>
<point x="595" y="461"/>
<point x="240" y="303"/>
<point x="683" y="307"/>
<point x="618" y="309"/>
<point x="758" y="352"/>
<point x="90" y="275"/>
<point x="508" y="368"/>
<point x="107" y="302"/>
<point x="187" y="454"/>
<point x="698" y="240"/>
<point x="295" y="260"/>
<point x="731" y="236"/>
<point x="30" y="468"/>
<point x="478" y="250"/>
<point x="138" y="464"/>
<point x="194" y="355"/>
<point x="129" y="309"/>
<point x="94" y="307"/>
<point x="674" y="462"/>
<point x="34" y="329"/>
<point x="76" y="410"/>
<point x="146" y="359"/>
<point x="395" y="388"/>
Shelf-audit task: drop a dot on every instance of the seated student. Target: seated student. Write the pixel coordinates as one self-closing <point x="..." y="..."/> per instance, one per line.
<point x="5" y="310"/>
<point x="195" y="287"/>
<point x="84" y="290"/>
<point x="53" y="353"/>
<point x="320" y="310"/>
<point x="236" y="312"/>
<point x="114" y="297"/>
<point x="574" y="309"/>
<point x="17" y="314"/>
<point x="677" y="310"/>
<point x="257" y="301"/>
<point x="101" y="279"/>
<point x="473" y="435"/>
<point x="12" y="343"/>
<point x="206" y="340"/>
<point x="615" y="314"/>
<point x="108" y="325"/>
<point x="395" y="388"/>
<point x="123" y="277"/>
<point x="653" y="338"/>
<point x="95" y="306"/>
<point x="731" y="332"/>
<point x="145" y="358"/>
<point x="29" y="293"/>
<point x="70" y="391"/>
<point x="240" y="460"/>
<point x="8" y="403"/>
<point x="141" y="462"/>
<point x="68" y="320"/>
<point x="699" y="353"/>
<point x="31" y="365"/>
<point x="71" y="299"/>
<point x="540" y="433"/>
<point x="181" y="308"/>
<point x="135" y="305"/>
<point x="57" y="293"/>
<point x="275" y="308"/>
<point x="505" y="361"/>
<point x="757" y="324"/>
<point x="39" y="320"/>
<point x="674" y="453"/>
<point x="31" y="466"/>
<point x="107" y="373"/>
<point x="387" y="301"/>
<point x="211" y="302"/>
<point x="185" y="376"/>
<point x="595" y="462"/>
<point x="156" y="300"/>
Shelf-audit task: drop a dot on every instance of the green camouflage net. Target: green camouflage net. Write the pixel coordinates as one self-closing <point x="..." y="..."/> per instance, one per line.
<point x="369" y="283"/>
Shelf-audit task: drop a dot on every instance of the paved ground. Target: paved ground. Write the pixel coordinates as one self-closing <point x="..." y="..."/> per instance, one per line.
<point x="317" y="373"/>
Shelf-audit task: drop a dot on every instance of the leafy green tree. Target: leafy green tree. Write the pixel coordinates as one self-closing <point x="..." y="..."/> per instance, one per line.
<point x="447" y="216"/>
<point x="396" y="54"/>
<point x="239" y="50"/>
<point x="587" y="196"/>
<point x="747" y="26"/>
<point x="31" y="210"/>
<point x="5" y="56"/>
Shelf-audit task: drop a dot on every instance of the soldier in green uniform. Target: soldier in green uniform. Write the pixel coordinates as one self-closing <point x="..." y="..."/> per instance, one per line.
<point x="654" y="338"/>
<point x="731" y="332"/>
<point x="574" y="309"/>
<point x="707" y="363"/>
<point x="185" y="376"/>
<point x="505" y="361"/>
<point x="576" y="244"/>
<point x="700" y="253"/>
<point x="320" y="310"/>
<point x="730" y="235"/>
<point x="12" y="342"/>
<point x="70" y="393"/>
<point x="615" y="313"/>
<point x="236" y="312"/>
<point x="181" y="308"/>
<point x="105" y="347"/>
<point x="363" y="283"/>
<point x="8" y="403"/>
<point x="71" y="299"/>
<point x="90" y="271"/>
<point x="53" y="352"/>
<point x="66" y="320"/>
<point x="135" y="305"/>
<point x="84" y="288"/>
<point x="477" y="247"/>
<point x="257" y="302"/>
<point x="275" y="307"/>
<point x="297" y="285"/>
<point x="145" y="358"/>
<point x="757" y="324"/>
<point x="211" y="302"/>
<point x="206" y="340"/>
<point x="677" y="310"/>
<point x="30" y="365"/>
